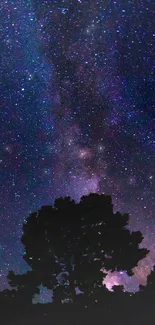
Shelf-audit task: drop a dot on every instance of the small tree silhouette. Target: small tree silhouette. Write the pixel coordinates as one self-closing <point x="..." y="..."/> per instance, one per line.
<point x="25" y="286"/>
<point x="145" y="299"/>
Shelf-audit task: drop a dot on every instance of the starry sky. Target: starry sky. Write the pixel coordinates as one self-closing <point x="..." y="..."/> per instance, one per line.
<point x="77" y="114"/>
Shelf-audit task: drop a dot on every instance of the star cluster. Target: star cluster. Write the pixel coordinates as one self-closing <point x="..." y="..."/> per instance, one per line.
<point x="77" y="114"/>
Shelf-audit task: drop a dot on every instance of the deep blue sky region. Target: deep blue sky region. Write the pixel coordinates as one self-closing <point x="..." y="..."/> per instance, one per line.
<point x="77" y="114"/>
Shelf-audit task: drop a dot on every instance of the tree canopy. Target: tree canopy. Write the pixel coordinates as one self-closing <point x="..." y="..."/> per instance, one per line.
<point x="69" y="245"/>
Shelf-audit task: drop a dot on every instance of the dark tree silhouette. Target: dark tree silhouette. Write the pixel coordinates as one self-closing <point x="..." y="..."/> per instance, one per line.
<point x="17" y="302"/>
<point x="149" y="289"/>
<point x="68" y="244"/>
<point x="145" y="300"/>
<point x="25" y="286"/>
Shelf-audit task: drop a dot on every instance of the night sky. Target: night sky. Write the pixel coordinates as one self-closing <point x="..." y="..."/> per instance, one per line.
<point x="77" y="114"/>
